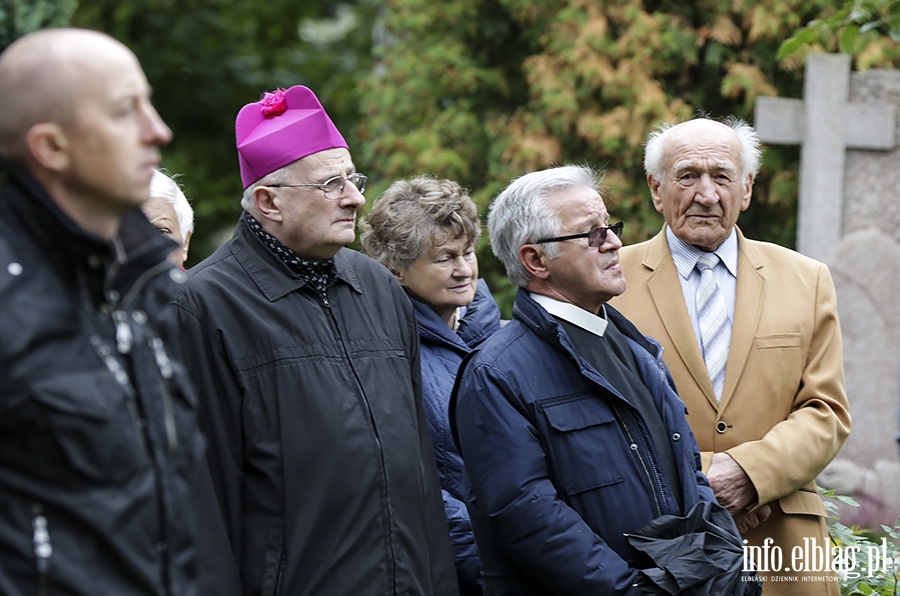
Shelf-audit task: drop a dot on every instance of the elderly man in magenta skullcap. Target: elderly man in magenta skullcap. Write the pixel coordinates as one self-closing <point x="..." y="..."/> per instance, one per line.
<point x="305" y="357"/>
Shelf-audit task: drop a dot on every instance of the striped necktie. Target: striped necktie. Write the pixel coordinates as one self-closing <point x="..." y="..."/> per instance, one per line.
<point x="712" y="316"/>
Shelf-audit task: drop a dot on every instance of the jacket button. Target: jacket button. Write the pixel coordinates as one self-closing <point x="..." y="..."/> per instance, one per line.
<point x="676" y="437"/>
<point x="177" y="276"/>
<point x="14" y="269"/>
<point x="721" y="427"/>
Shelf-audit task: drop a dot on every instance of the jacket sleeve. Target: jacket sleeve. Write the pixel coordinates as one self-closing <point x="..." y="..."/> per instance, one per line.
<point x="443" y="572"/>
<point x="462" y="538"/>
<point x="819" y="421"/>
<point x="510" y="481"/>
<point x="704" y="490"/>
<point x="219" y="399"/>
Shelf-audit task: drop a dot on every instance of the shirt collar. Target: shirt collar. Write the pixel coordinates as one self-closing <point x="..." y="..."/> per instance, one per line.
<point x="573" y="314"/>
<point x="685" y="255"/>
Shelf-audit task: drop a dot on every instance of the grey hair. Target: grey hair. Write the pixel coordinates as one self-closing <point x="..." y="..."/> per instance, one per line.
<point x="751" y="152"/>
<point x="520" y="214"/>
<point x="404" y="221"/>
<point x="279" y="176"/>
<point x="165" y="188"/>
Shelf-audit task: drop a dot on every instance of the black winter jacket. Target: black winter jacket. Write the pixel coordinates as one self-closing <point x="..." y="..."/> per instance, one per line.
<point x="98" y="437"/>
<point x="319" y="446"/>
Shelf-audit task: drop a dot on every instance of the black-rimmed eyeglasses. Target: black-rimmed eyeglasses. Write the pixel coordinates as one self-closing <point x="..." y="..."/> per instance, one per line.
<point x="596" y="237"/>
<point x="333" y="187"/>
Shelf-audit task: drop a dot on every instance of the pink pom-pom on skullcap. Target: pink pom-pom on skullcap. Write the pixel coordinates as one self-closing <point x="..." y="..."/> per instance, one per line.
<point x="282" y="127"/>
<point x="273" y="103"/>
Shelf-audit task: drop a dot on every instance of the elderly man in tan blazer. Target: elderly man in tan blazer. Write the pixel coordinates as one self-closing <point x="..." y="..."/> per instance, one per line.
<point x="754" y="346"/>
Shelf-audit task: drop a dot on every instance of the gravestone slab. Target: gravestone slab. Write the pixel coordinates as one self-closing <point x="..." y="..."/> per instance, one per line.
<point x="872" y="178"/>
<point x="849" y="217"/>
<point x="866" y="273"/>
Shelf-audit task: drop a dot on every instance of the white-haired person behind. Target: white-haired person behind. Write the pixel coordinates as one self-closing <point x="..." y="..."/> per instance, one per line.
<point x="169" y="210"/>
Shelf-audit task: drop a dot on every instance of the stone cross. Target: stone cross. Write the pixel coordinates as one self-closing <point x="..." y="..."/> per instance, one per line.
<point x="824" y="124"/>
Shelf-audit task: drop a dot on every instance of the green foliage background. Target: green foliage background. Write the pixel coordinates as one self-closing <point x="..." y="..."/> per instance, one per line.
<point x="480" y="91"/>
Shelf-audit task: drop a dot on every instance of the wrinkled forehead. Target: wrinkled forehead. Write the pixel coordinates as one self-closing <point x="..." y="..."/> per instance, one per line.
<point x="703" y="146"/>
<point x="577" y="203"/>
<point x="155" y="208"/>
<point x="324" y="164"/>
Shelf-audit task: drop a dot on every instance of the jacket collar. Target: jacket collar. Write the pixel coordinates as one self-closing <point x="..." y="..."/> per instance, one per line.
<point x="39" y="217"/>
<point x="138" y="246"/>
<point x="271" y="275"/>
<point x="481" y="320"/>
<point x="663" y="277"/>
<point x="528" y="312"/>
<point x="543" y="324"/>
<point x="658" y="251"/>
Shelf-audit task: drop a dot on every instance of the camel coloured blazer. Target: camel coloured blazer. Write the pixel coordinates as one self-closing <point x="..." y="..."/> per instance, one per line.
<point x="784" y="413"/>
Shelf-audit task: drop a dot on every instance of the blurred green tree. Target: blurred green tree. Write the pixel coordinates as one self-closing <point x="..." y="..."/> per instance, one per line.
<point x="18" y="17"/>
<point x="205" y="59"/>
<point x="479" y="91"/>
<point x="485" y="90"/>
<point x="857" y="28"/>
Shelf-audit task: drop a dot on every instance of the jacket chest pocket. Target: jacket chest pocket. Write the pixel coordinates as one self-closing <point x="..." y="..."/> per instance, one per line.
<point x="93" y="423"/>
<point x="776" y="369"/>
<point x="585" y="444"/>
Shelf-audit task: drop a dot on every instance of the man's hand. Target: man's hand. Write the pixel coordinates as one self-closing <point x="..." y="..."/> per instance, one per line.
<point x="731" y="484"/>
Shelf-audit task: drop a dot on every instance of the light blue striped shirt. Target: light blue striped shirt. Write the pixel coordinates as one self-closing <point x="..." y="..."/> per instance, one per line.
<point x="685" y="257"/>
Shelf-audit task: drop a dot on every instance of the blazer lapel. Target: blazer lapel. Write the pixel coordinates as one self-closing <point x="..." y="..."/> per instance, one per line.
<point x="665" y="289"/>
<point x="747" y="312"/>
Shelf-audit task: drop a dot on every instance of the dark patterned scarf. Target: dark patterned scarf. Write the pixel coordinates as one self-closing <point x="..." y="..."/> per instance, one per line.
<point x="318" y="275"/>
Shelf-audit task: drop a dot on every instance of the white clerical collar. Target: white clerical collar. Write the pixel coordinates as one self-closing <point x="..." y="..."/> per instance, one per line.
<point x="573" y="314"/>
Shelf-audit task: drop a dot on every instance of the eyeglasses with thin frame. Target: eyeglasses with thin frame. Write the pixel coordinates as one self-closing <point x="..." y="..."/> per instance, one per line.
<point x="333" y="187"/>
<point x="596" y="237"/>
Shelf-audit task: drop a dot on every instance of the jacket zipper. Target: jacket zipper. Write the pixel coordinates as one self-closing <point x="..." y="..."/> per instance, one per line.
<point x="635" y="448"/>
<point x="660" y="367"/>
<point x="124" y="336"/>
<point x="165" y="369"/>
<point x="43" y="550"/>
<point x="124" y="343"/>
<point x="365" y="400"/>
<point x="119" y="373"/>
<point x="123" y="330"/>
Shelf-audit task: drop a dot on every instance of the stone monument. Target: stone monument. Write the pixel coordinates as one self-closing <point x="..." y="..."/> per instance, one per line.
<point x="849" y="217"/>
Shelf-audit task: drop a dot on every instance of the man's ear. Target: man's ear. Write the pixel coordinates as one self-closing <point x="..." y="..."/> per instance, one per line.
<point x="185" y="245"/>
<point x="653" y="183"/>
<point x="534" y="260"/>
<point x="48" y="146"/>
<point x="267" y="203"/>
<point x="748" y="192"/>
